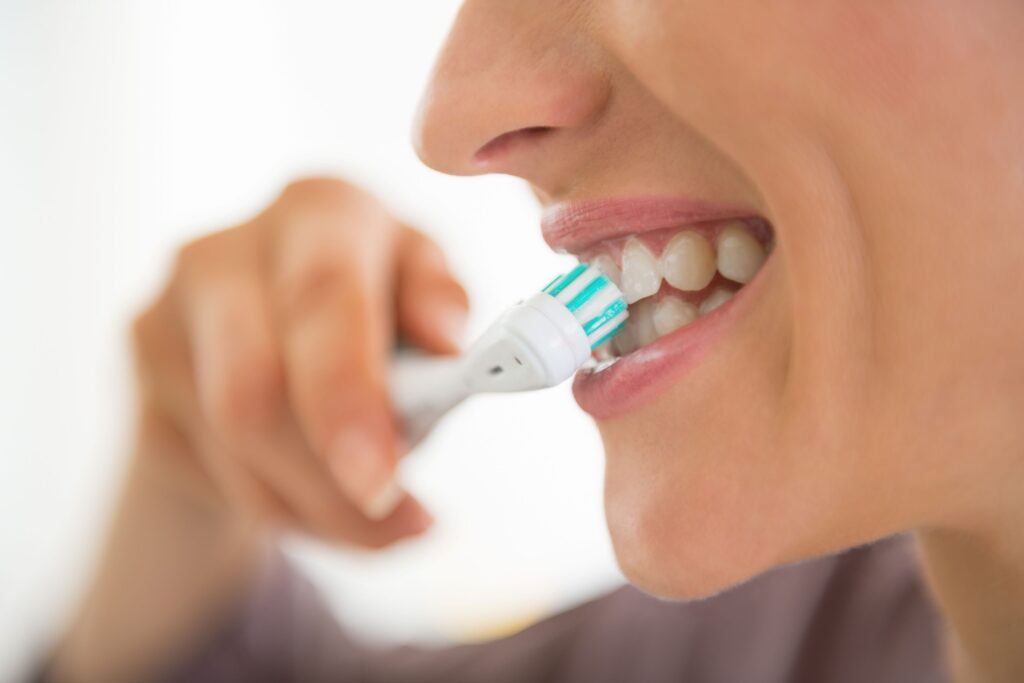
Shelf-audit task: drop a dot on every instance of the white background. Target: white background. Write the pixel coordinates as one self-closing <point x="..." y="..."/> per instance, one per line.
<point x="128" y="127"/>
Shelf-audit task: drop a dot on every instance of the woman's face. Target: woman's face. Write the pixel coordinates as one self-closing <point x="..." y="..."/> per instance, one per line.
<point x="870" y="377"/>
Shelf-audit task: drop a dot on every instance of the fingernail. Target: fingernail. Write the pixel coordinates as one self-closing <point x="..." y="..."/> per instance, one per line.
<point x="381" y="504"/>
<point x="359" y="469"/>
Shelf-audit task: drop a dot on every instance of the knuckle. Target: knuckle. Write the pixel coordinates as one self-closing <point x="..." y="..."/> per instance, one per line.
<point x="450" y="288"/>
<point x="142" y="336"/>
<point x="263" y="510"/>
<point x="192" y="258"/>
<point x="427" y="254"/>
<point x="428" y="270"/>
<point x="142" y="329"/>
<point x="248" y="395"/>
<point x="190" y="254"/>
<point x="272" y="513"/>
<point x="318" y="190"/>
<point x="152" y="341"/>
<point x="319" y="280"/>
<point x="211" y="253"/>
<point x="347" y="210"/>
<point x="261" y="505"/>
<point x="440" y="288"/>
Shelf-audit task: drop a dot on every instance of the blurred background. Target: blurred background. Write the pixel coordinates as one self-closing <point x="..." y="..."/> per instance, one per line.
<point x="129" y="127"/>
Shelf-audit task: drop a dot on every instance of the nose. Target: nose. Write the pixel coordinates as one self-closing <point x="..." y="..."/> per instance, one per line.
<point x="514" y="81"/>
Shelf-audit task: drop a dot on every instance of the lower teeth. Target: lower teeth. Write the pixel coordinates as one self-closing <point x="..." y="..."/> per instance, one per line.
<point x="637" y="335"/>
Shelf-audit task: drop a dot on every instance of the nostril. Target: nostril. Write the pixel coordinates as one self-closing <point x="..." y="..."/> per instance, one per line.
<point x="507" y="141"/>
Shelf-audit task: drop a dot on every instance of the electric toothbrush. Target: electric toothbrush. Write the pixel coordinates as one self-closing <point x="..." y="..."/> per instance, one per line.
<point x="537" y="343"/>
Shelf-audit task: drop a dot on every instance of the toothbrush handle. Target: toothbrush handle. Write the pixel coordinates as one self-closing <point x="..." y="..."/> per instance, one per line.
<point x="423" y="389"/>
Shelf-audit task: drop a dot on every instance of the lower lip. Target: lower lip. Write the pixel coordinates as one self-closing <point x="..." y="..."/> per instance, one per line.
<point x="641" y="376"/>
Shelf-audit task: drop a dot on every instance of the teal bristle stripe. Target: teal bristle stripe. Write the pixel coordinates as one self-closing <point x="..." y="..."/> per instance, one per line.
<point x="568" y="279"/>
<point x="548" y="285"/>
<point x="602" y="340"/>
<point x="616" y="307"/>
<point x="590" y="290"/>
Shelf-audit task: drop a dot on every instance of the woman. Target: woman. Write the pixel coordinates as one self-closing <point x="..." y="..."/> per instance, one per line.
<point x="867" y="378"/>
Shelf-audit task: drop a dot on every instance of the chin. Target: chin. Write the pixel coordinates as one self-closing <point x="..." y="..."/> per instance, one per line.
<point x="678" y="541"/>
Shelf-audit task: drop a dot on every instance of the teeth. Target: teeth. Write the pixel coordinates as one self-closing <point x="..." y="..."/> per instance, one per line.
<point x="640" y="274"/>
<point x="623" y="342"/>
<point x="714" y="300"/>
<point x="688" y="262"/>
<point x="603" y="352"/>
<point x="641" y="323"/>
<point x="606" y="265"/>
<point x="671" y="313"/>
<point x="740" y="255"/>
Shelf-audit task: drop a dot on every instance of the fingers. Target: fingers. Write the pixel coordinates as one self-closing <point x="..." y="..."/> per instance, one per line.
<point x="287" y="326"/>
<point x="255" y="450"/>
<point x="299" y="477"/>
<point x="431" y="304"/>
<point x="164" y="356"/>
<point x="237" y="385"/>
<point x="329" y="514"/>
<point x="240" y="485"/>
<point x="332" y="282"/>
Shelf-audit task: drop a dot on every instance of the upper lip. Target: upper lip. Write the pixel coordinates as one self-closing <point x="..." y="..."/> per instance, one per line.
<point x="573" y="226"/>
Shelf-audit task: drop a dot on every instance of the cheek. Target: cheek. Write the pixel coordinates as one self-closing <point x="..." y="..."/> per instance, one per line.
<point x="743" y="465"/>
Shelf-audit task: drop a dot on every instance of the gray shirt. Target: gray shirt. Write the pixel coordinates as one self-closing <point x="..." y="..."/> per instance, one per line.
<point x="862" y="616"/>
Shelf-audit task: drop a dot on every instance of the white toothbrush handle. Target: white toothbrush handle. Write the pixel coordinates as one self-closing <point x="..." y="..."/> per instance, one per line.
<point x="535" y="344"/>
<point x="423" y="389"/>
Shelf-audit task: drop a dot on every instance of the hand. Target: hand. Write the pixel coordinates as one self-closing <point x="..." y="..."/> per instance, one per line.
<point x="267" y="354"/>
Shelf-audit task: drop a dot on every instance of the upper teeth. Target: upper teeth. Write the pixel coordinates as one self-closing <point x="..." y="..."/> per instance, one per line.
<point x="641" y="275"/>
<point x="740" y="255"/>
<point x="606" y="265"/>
<point x="688" y="262"/>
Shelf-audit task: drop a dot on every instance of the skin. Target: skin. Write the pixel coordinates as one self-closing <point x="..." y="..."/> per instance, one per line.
<point x="874" y="385"/>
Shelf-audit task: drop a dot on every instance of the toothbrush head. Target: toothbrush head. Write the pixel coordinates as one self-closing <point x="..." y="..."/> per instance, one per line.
<point x="544" y="340"/>
<point x="594" y="301"/>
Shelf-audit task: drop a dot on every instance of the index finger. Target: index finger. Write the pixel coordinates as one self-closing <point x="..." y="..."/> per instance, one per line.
<point x="333" y="274"/>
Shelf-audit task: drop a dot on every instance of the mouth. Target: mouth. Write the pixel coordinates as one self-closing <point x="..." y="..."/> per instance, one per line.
<point x="684" y="268"/>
